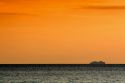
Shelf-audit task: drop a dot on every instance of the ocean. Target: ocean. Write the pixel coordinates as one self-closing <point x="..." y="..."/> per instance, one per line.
<point x="62" y="73"/>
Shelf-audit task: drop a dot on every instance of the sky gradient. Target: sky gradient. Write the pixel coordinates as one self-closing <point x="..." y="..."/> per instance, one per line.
<point x="62" y="31"/>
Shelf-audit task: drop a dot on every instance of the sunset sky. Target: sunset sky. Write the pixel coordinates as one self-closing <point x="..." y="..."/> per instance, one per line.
<point x="62" y="31"/>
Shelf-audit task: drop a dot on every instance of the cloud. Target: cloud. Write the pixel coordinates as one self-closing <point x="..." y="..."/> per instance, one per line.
<point x="14" y="14"/>
<point x="18" y="1"/>
<point x="12" y="0"/>
<point x="9" y="1"/>
<point x="100" y="8"/>
<point x="103" y="7"/>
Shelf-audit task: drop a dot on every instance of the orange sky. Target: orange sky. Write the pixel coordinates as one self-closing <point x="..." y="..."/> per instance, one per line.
<point x="62" y="31"/>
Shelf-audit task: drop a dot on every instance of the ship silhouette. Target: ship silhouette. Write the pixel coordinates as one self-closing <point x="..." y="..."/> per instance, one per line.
<point x="97" y="62"/>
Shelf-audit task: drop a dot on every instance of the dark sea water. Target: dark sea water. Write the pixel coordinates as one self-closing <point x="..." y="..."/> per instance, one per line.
<point x="62" y="74"/>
